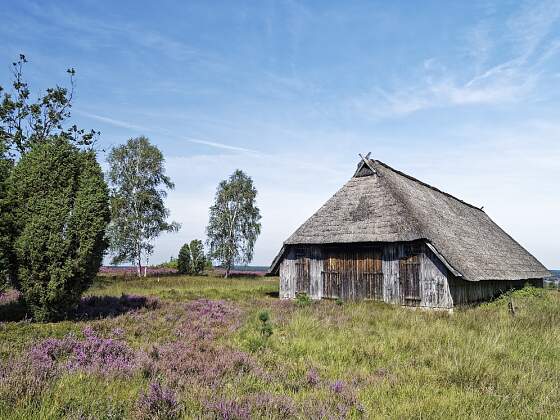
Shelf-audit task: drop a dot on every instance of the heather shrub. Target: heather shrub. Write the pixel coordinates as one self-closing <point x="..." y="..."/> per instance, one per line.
<point x="158" y="403"/>
<point x="227" y="409"/>
<point x="312" y="377"/>
<point x="261" y="405"/>
<point x="60" y="207"/>
<point x="27" y="375"/>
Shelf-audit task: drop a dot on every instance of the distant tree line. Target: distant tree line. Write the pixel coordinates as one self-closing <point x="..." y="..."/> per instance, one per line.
<point x="59" y="214"/>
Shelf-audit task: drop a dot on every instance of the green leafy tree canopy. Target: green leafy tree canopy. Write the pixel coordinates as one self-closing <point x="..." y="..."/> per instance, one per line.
<point x="25" y="121"/>
<point x="138" y="188"/>
<point x="198" y="259"/>
<point x="234" y="225"/>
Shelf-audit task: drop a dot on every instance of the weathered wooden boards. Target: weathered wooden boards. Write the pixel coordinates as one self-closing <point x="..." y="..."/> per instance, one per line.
<point x="403" y="273"/>
<point x="464" y="292"/>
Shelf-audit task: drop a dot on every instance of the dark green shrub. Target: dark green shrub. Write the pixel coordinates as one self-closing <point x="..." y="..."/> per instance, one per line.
<point x="60" y="207"/>
<point x="184" y="265"/>
<point x="339" y="301"/>
<point x="6" y="231"/>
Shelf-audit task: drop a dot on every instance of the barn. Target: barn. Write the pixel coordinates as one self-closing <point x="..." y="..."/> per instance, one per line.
<point x="390" y="237"/>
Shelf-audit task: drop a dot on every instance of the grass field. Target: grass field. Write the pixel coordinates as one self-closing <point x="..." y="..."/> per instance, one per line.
<point x="185" y="347"/>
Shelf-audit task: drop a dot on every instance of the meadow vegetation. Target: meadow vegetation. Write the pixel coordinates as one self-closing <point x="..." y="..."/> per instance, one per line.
<point x="229" y="348"/>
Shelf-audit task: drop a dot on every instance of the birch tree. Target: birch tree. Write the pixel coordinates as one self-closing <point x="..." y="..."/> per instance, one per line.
<point x="234" y="224"/>
<point x="138" y="188"/>
<point x="26" y="120"/>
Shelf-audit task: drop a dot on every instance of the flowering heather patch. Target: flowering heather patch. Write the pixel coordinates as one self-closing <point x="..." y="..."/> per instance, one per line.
<point x="227" y="410"/>
<point x="263" y="405"/>
<point x="337" y="387"/>
<point x="203" y="364"/>
<point x="157" y="403"/>
<point x="205" y="318"/>
<point x="28" y="374"/>
<point x="9" y="296"/>
<point x="313" y="378"/>
<point x="195" y="358"/>
<point x="93" y="354"/>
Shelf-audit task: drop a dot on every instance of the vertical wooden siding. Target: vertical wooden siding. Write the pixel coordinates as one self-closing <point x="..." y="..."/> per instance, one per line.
<point x="352" y="273"/>
<point x="406" y="274"/>
<point x="300" y="272"/>
<point x="465" y="292"/>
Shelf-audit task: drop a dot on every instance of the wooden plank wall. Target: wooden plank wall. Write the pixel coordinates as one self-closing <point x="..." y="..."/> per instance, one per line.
<point x="310" y="258"/>
<point x="465" y="292"/>
<point x="366" y="272"/>
<point x="378" y="272"/>
<point x="433" y="287"/>
<point x="352" y="272"/>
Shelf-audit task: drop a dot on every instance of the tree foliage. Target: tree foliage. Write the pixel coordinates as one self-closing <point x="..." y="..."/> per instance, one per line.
<point x="191" y="259"/>
<point x="25" y="122"/>
<point x="184" y="263"/>
<point x="234" y="224"/>
<point x="6" y="231"/>
<point x="198" y="259"/>
<point x="138" y="189"/>
<point x="60" y="205"/>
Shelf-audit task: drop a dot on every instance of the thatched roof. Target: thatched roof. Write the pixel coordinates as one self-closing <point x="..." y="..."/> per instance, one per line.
<point x="381" y="204"/>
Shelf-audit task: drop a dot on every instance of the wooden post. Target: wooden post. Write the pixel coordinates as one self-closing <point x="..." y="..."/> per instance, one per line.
<point x="511" y="307"/>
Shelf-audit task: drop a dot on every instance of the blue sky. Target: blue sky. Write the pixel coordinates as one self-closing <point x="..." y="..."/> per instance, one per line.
<point x="463" y="95"/>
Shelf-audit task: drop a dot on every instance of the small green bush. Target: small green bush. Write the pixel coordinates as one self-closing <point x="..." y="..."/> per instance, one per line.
<point x="303" y="299"/>
<point x="265" y="327"/>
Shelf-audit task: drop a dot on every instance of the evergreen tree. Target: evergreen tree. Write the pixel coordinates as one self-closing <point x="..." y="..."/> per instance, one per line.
<point x="184" y="261"/>
<point x="6" y="231"/>
<point x="59" y="201"/>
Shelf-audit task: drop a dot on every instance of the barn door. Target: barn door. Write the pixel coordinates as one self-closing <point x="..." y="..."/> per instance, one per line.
<point x="331" y="275"/>
<point x="409" y="280"/>
<point x="372" y="276"/>
<point x="302" y="273"/>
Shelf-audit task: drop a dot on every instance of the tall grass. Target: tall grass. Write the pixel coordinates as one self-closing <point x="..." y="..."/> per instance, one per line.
<point x="355" y="360"/>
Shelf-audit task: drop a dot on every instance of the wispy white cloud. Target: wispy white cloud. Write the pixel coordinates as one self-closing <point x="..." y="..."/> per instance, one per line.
<point x="526" y="35"/>
<point x="112" y="121"/>
<point x="222" y="146"/>
<point x="162" y="131"/>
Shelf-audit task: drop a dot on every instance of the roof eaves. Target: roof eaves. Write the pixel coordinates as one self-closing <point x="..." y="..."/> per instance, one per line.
<point x="273" y="270"/>
<point x="453" y="270"/>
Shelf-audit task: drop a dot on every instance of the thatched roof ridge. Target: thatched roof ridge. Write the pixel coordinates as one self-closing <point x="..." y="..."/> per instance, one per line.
<point x="390" y="206"/>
